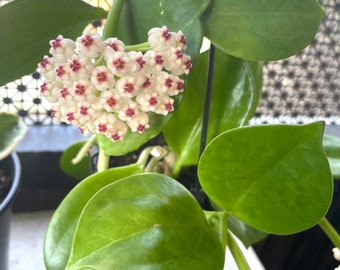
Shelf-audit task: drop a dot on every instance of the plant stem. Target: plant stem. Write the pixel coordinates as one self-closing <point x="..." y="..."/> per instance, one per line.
<point x="84" y="150"/>
<point x="238" y="256"/>
<point x="112" y="19"/>
<point x="177" y="168"/>
<point x="138" y="47"/>
<point x="329" y="230"/>
<point x="103" y="161"/>
<point x="218" y="221"/>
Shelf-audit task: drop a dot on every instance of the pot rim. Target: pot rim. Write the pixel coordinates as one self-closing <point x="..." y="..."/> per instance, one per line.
<point x="15" y="183"/>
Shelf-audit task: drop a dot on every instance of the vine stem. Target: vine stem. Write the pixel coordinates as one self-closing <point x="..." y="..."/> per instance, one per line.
<point x="329" y="230"/>
<point x="237" y="253"/>
<point x="112" y="19"/>
<point x="103" y="161"/>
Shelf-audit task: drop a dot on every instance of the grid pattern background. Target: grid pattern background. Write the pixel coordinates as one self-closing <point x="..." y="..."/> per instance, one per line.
<point x="299" y="89"/>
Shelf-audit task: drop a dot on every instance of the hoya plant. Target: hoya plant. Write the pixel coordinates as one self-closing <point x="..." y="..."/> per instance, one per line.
<point x="146" y="75"/>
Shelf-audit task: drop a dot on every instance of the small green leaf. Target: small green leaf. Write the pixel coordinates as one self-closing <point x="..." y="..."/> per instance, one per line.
<point x="79" y="170"/>
<point x="331" y="145"/>
<point x="263" y="29"/>
<point x="276" y="178"/>
<point x="146" y="221"/>
<point x="60" y="232"/>
<point x="235" y="95"/>
<point x="29" y="25"/>
<point x="12" y="130"/>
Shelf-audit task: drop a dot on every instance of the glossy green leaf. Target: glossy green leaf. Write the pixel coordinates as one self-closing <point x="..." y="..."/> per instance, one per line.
<point x="146" y="221"/>
<point x="157" y="14"/>
<point x="27" y="26"/>
<point x="276" y="178"/>
<point x="79" y="170"/>
<point x="12" y="130"/>
<point x="60" y="232"/>
<point x="331" y="145"/>
<point x="262" y="29"/>
<point x="236" y="92"/>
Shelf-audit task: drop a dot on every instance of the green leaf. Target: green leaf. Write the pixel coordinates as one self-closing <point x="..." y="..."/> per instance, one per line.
<point x="236" y="92"/>
<point x="29" y="25"/>
<point x="59" y="235"/>
<point x="331" y="145"/>
<point x="12" y="130"/>
<point x="79" y="170"/>
<point x="263" y="29"/>
<point x="146" y="221"/>
<point x="156" y="15"/>
<point x="275" y="178"/>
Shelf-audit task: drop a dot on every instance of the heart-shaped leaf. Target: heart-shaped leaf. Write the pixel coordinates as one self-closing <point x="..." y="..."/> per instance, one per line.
<point x="12" y="130"/>
<point x="60" y="232"/>
<point x="262" y="29"/>
<point x="146" y="221"/>
<point x="27" y="26"/>
<point x="235" y="95"/>
<point x="276" y="178"/>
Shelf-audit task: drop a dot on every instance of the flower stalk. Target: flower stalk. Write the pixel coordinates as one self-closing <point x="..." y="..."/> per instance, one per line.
<point x="103" y="161"/>
<point x="329" y="230"/>
<point x="112" y="19"/>
<point x="83" y="152"/>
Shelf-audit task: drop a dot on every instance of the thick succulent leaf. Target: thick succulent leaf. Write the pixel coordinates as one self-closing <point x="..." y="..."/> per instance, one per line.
<point x="236" y="92"/>
<point x="80" y="170"/>
<point x="157" y="14"/>
<point x="12" y="130"/>
<point x="146" y="221"/>
<point x="29" y="25"/>
<point x="331" y="145"/>
<point x="263" y="29"/>
<point x="60" y="232"/>
<point x="276" y="178"/>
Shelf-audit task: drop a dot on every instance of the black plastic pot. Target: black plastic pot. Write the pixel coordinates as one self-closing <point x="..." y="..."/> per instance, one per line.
<point x="11" y="166"/>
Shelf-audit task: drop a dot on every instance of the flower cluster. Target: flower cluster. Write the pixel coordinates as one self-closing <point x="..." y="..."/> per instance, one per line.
<point x="101" y="86"/>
